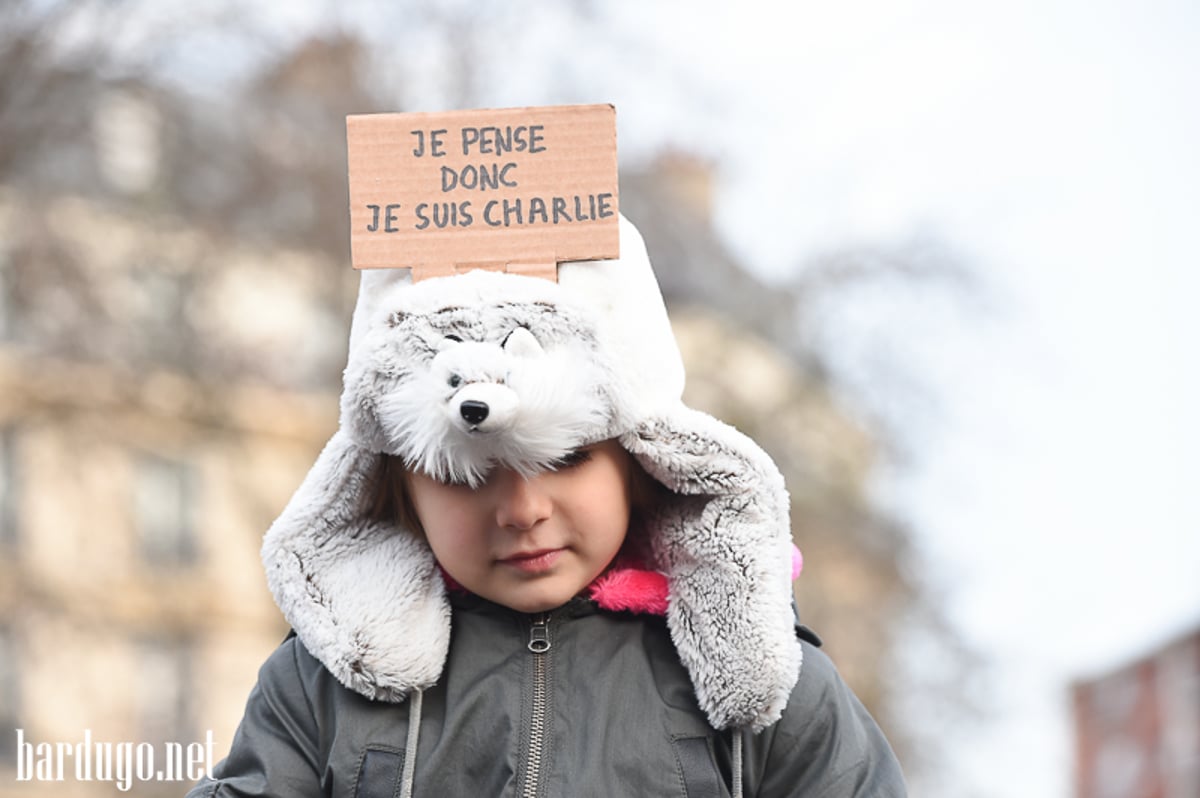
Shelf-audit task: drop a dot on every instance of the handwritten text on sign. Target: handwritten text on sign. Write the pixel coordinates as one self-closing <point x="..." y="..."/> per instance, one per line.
<point x="436" y="191"/>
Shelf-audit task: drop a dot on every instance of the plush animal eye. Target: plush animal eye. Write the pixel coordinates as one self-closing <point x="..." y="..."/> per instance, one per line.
<point x="453" y="338"/>
<point x="454" y="381"/>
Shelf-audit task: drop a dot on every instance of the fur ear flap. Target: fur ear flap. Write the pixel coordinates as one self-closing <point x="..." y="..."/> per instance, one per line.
<point x="724" y="541"/>
<point x="365" y="597"/>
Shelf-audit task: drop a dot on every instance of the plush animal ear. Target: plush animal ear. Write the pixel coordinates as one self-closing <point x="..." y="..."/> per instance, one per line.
<point x="365" y="597"/>
<point x="521" y="343"/>
<point x="723" y="538"/>
<point x="447" y="342"/>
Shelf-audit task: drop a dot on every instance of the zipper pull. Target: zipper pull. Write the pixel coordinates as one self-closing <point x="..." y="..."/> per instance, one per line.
<point x="539" y="634"/>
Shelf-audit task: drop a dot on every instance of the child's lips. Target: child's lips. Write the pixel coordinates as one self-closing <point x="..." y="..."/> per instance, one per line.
<point x="535" y="561"/>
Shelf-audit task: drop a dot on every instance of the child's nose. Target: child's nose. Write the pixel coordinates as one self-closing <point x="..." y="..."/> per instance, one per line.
<point x="523" y="502"/>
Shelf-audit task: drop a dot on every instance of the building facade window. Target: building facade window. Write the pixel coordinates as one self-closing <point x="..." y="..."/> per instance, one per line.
<point x="6" y="303"/>
<point x="165" y="510"/>
<point x="8" y="487"/>
<point x="9" y="691"/>
<point x="159" y="295"/>
<point x="165" y="711"/>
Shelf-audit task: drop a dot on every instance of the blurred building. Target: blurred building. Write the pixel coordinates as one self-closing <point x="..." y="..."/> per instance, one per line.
<point x="1137" y="729"/>
<point x="145" y="445"/>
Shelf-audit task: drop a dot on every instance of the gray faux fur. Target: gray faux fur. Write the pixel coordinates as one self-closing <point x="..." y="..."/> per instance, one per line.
<point x="589" y="358"/>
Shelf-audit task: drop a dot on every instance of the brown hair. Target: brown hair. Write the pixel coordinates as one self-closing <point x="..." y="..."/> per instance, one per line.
<point x="645" y="494"/>
<point x="388" y="500"/>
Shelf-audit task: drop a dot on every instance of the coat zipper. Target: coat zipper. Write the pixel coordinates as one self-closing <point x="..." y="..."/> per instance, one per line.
<point x="539" y="644"/>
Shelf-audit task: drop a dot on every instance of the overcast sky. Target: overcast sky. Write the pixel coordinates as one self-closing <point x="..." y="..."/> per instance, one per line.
<point x="1054" y="144"/>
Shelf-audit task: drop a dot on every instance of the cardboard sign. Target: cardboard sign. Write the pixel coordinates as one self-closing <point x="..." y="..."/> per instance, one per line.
<point x="518" y="189"/>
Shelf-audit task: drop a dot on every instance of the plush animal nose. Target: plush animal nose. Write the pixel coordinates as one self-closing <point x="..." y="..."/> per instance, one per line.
<point x="473" y="412"/>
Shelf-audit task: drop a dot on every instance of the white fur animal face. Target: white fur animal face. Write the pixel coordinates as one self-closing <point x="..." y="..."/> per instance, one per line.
<point x="476" y="375"/>
<point x="462" y="389"/>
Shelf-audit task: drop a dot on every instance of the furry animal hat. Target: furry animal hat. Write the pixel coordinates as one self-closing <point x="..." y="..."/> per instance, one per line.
<point x="458" y="374"/>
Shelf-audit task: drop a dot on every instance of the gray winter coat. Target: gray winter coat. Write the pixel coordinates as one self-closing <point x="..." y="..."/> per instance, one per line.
<point x="575" y="702"/>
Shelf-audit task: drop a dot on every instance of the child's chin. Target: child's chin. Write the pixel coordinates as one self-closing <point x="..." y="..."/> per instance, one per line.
<point x="536" y="600"/>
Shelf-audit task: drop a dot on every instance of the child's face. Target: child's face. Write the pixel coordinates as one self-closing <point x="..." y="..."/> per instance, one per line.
<point x="530" y="544"/>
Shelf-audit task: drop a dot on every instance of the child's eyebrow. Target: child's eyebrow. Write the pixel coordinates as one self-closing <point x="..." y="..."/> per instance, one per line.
<point x="571" y="458"/>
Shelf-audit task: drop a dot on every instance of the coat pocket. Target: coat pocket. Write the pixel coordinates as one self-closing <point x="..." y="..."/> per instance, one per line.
<point x="698" y="768"/>
<point x="379" y="773"/>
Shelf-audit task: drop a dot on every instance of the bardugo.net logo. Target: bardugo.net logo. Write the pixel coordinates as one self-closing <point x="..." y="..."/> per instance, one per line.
<point x="124" y="764"/>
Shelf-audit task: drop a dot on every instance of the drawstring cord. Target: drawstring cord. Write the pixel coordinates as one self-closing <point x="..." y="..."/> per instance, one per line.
<point x="737" y="763"/>
<point x="410" y="747"/>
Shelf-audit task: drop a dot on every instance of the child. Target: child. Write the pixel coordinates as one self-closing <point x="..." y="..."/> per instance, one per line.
<point x="523" y="567"/>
